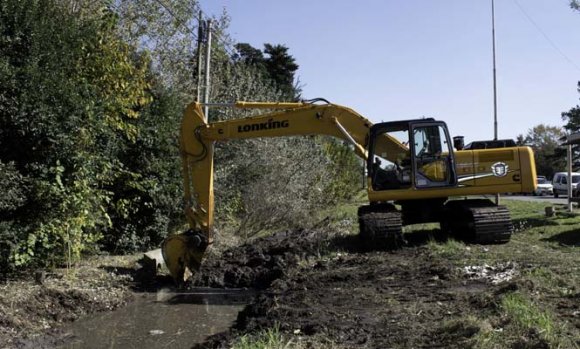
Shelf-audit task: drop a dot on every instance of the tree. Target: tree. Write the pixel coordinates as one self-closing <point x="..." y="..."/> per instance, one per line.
<point x="249" y="55"/>
<point x="281" y="67"/>
<point x="70" y="92"/>
<point x="545" y="140"/>
<point x="572" y="119"/>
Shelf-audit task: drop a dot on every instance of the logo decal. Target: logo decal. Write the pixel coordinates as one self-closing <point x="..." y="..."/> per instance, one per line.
<point x="499" y="169"/>
<point x="268" y="125"/>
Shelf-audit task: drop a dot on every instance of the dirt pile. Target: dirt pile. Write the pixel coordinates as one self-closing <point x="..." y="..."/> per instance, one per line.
<point x="375" y="300"/>
<point x="260" y="262"/>
<point x="369" y="299"/>
<point x="407" y="298"/>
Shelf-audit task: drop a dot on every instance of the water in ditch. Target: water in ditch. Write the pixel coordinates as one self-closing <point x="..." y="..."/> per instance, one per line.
<point x="164" y="319"/>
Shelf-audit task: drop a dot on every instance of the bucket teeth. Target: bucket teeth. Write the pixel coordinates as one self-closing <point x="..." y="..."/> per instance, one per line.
<point x="183" y="254"/>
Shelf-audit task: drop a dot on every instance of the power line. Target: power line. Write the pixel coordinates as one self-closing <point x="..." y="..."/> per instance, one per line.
<point x="546" y="36"/>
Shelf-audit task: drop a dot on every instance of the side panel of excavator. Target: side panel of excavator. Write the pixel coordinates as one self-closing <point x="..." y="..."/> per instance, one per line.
<point x="479" y="172"/>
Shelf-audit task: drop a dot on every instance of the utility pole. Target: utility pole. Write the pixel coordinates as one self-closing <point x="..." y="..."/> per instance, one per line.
<point x="494" y="72"/>
<point x="569" y="155"/>
<point x="207" y="69"/>
<point x="494" y="82"/>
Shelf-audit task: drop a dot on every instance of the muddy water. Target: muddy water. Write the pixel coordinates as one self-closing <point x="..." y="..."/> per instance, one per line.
<point x="164" y="319"/>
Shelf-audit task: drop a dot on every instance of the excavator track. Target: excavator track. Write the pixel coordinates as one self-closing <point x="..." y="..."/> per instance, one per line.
<point x="477" y="221"/>
<point x="381" y="226"/>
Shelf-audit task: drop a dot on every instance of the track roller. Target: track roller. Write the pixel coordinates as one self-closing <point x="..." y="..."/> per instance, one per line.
<point x="380" y="226"/>
<point x="479" y="221"/>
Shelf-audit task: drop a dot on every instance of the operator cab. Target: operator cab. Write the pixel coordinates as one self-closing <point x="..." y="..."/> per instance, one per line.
<point x="411" y="154"/>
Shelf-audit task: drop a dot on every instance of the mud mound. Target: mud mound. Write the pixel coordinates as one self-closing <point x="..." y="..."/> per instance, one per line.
<point x="258" y="263"/>
<point x="373" y="300"/>
<point x="370" y="300"/>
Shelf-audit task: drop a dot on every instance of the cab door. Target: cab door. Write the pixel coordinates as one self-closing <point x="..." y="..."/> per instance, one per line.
<point x="432" y="155"/>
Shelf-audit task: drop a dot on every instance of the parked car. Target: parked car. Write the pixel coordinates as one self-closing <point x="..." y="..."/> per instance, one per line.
<point x="544" y="187"/>
<point x="560" y="183"/>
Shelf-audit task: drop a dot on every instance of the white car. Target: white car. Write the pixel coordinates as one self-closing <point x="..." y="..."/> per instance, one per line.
<point x="544" y="187"/>
<point x="560" y="183"/>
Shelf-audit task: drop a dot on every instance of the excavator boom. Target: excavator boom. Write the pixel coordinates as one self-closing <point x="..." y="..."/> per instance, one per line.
<point x="185" y="251"/>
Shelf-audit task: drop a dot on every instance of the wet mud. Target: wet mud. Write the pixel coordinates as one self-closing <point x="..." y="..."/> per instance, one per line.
<point x="353" y="298"/>
<point x="167" y="318"/>
<point x="259" y="263"/>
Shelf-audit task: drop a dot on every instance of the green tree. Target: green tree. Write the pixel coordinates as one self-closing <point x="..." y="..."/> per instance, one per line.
<point x="275" y="63"/>
<point x="70" y="92"/>
<point x="146" y="202"/>
<point x="248" y="54"/>
<point x="545" y="140"/>
<point x="281" y="67"/>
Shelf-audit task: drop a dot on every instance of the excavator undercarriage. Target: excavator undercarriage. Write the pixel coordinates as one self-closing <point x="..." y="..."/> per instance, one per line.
<point x="471" y="220"/>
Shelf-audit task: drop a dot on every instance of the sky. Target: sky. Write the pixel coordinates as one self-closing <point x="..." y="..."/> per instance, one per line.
<point x="401" y="59"/>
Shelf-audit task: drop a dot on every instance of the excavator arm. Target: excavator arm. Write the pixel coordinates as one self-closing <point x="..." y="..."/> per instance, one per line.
<point x="183" y="253"/>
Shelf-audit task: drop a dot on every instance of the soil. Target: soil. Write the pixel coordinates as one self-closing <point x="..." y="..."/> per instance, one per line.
<point x="354" y="298"/>
<point x="314" y="286"/>
<point x="259" y="263"/>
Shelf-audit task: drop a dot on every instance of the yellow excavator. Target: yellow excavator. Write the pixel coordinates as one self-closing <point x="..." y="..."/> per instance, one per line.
<point x="414" y="175"/>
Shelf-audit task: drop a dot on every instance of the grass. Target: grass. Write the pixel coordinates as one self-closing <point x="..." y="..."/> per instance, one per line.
<point x="525" y="324"/>
<point x="268" y="339"/>
<point x="546" y="252"/>
<point x="448" y="248"/>
<point x="526" y="315"/>
<point x="272" y="338"/>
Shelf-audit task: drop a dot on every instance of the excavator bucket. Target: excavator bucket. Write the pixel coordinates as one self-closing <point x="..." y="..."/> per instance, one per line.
<point x="183" y="254"/>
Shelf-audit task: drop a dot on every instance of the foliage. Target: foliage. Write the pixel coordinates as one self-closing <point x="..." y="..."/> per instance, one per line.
<point x="545" y="140"/>
<point x="572" y="119"/>
<point x="263" y="184"/>
<point x="91" y="96"/>
<point x="281" y="67"/>
<point x="14" y="188"/>
<point x="62" y="130"/>
<point x="343" y="172"/>
<point x="275" y="64"/>
<point x="147" y="194"/>
<point x="259" y="184"/>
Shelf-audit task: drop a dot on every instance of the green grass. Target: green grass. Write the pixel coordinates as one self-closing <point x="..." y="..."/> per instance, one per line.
<point x="448" y="248"/>
<point x="546" y="253"/>
<point x="268" y="339"/>
<point x="527" y="315"/>
<point x="524" y="209"/>
<point x="273" y="339"/>
<point x="523" y="322"/>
